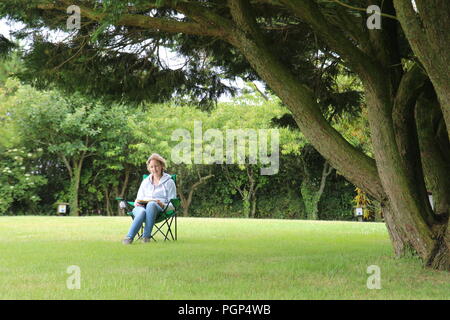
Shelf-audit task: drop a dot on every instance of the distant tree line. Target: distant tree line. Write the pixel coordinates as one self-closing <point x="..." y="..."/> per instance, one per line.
<point x="59" y="148"/>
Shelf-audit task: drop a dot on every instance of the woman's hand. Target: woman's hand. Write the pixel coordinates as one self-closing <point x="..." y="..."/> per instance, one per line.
<point x="137" y="204"/>
<point x="160" y="203"/>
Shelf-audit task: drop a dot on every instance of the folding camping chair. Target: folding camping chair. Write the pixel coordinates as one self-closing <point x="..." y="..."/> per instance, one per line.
<point x="166" y="217"/>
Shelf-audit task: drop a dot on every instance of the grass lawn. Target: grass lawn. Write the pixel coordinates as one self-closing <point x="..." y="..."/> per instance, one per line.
<point x="213" y="259"/>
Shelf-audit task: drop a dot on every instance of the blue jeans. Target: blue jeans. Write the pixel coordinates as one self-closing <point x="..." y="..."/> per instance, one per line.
<point x="142" y="214"/>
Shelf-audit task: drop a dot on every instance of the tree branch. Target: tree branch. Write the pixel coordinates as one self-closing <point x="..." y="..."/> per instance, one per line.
<point x="362" y="9"/>
<point x="196" y="185"/>
<point x="326" y="171"/>
<point x="67" y="164"/>
<point x="142" y="21"/>
<point x="310" y="12"/>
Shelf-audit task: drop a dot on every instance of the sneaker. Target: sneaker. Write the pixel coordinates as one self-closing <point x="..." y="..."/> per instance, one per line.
<point x="145" y="239"/>
<point x="127" y="240"/>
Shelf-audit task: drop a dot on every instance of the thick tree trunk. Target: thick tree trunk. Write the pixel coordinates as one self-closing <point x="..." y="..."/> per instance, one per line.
<point x="435" y="162"/>
<point x="396" y="234"/>
<point x="428" y="33"/>
<point x="406" y="137"/>
<point x="433" y="147"/>
<point x="409" y="218"/>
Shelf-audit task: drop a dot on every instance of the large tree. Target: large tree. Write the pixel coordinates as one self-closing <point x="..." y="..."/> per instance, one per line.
<point x="274" y="40"/>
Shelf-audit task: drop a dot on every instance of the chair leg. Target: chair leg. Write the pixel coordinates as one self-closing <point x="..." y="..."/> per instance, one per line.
<point x="141" y="232"/>
<point x="159" y="229"/>
<point x="169" y="224"/>
<point x="169" y="229"/>
<point x="166" y="234"/>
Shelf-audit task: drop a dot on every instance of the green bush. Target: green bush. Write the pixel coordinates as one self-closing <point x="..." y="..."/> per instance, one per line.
<point x="18" y="183"/>
<point x="280" y="208"/>
<point x="336" y="202"/>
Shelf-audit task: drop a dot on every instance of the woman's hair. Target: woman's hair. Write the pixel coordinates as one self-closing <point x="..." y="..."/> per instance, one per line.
<point x="157" y="157"/>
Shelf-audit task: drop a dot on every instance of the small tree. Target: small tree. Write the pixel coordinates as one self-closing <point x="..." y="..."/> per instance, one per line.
<point x="71" y="128"/>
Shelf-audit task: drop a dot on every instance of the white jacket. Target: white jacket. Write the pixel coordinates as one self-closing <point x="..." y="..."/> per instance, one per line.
<point x="164" y="191"/>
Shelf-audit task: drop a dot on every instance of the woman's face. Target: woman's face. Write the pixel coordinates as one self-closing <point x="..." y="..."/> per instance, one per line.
<point x="155" y="167"/>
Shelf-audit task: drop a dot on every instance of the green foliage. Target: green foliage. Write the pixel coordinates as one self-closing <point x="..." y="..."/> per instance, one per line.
<point x="18" y="182"/>
<point x="73" y="129"/>
<point x="336" y="202"/>
<point x="356" y="131"/>
<point x="284" y="206"/>
<point x="310" y="198"/>
<point x="6" y="46"/>
<point x="124" y="63"/>
<point x="117" y="139"/>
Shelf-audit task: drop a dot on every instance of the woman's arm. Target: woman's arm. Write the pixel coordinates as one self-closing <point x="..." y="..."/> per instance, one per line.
<point x="140" y="194"/>
<point x="171" y="193"/>
<point x="172" y="190"/>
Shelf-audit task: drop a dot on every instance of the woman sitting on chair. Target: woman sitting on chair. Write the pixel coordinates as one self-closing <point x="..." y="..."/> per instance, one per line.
<point x="153" y="197"/>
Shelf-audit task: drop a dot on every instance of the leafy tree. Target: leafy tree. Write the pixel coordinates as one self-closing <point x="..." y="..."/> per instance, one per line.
<point x="283" y="43"/>
<point x="71" y="128"/>
<point x="115" y="164"/>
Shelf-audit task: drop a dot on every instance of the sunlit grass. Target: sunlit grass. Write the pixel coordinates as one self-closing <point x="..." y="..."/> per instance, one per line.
<point x="213" y="259"/>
